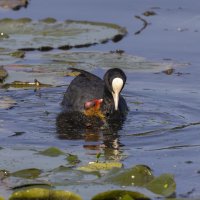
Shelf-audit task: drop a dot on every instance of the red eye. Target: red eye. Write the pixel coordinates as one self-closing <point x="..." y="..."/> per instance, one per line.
<point x="93" y="103"/>
<point x="89" y="104"/>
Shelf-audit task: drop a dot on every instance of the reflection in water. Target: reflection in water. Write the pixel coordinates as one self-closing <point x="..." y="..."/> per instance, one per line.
<point x="75" y="126"/>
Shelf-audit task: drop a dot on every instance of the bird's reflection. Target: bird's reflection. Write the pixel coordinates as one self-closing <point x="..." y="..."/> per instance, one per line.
<point x="95" y="133"/>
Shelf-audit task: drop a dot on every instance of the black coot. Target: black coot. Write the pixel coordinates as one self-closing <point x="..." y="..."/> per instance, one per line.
<point x="87" y="90"/>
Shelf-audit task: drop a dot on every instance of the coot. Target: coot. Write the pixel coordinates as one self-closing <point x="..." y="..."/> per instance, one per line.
<point x="90" y="95"/>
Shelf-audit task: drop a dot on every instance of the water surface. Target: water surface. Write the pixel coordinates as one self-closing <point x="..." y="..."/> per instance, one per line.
<point x="162" y="127"/>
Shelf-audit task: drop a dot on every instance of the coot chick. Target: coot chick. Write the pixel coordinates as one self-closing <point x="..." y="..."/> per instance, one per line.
<point x="87" y="89"/>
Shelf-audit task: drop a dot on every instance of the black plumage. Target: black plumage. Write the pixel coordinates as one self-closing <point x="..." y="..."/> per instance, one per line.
<point x="87" y="86"/>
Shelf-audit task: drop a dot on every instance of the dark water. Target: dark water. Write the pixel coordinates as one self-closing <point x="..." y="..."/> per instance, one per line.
<point x="162" y="127"/>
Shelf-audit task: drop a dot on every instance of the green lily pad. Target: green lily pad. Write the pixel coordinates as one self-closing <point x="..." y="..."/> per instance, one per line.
<point x="3" y="73"/>
<point x="43" y="35"/>
<point x="72" y="159"/>
<point x="139" y="175"/>
<point x="163" y="185"/>
<point x="106" y="60"/>
<point x="44" y="194"/>
<point x="119" y="195"/>
<point x="18" y="54"/>
<point x="26" y="84"/>
<point x="27" y="173"/>
<point x="62" y="169"/>
<point x="34" y="76"/>
<point x="51" y="152"/>
<point x="10" y="56"/>
<point x="64" y="195"/>
<point x="94" y="166"/>
<point x="53" y="67"/>
<point x="38" y="184"/>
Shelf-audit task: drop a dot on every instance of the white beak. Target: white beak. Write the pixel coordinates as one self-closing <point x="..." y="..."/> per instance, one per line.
<point x="117" y="85"/>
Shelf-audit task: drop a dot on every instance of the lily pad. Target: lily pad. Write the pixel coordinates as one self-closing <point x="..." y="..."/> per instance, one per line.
<point x="119" y="195"/>
<point x="18" y="54"/>
<point x="106" y="60"/>
<point x="53" y="67"/>
<point x="139" y="175"/>
<point x="44" y="194"/>
<point x="3" y="73"/>
<point x="13" y="4"/>
<point x="52" y="152"/>
<point x="72" y="159"/>
<point x="22" y="84"/>
<point x="10" y="56"/>
<point x="47" y="34"/>
<point x="27" y="173"/>
<point x="34" y="76"/>
<point x="94" y="166"/>
<point x="37" y="184"/>
<point x="163" y="185"/>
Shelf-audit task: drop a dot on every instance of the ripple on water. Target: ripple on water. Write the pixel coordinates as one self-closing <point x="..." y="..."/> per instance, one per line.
<point x="159" y="128"/>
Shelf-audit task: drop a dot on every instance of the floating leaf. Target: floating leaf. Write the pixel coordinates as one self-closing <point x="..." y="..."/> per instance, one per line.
<point x="64" y="195"/>
<point x="31" y="173"/>
<point x="119" y="195"/>
<point x="163" y="185"/>
<point x="52" y="152"/>
<point x="34" y="76"/>
<point x="106" y="60"/>
<point x="94" y="166"/>
<point x="139" y="175"/>
<point x="33" y="193"/>
<point x="44" y="194"/>
<point x="72" y="159"/>
<point x="46" y="34"/>
<point x="149" y="13"/>
<point x="54" y="66"/>
<point x="62" y="169"/>
<point x="3" y="73"/>
<point x="41" y="184"/>
<point x="48" y="20"/>
<point x="126" y="197"/>
<point x="17" y="133"/>
<point x="10" y="56"/>
<point x="22" y="84"/>
<point x="18" y="54"/>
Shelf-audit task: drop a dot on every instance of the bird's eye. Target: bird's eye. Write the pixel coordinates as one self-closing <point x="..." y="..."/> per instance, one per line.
<point x="107" y="114"/>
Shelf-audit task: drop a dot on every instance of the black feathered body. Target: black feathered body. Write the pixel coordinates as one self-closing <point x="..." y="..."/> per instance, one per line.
<point x="87" y="86"/>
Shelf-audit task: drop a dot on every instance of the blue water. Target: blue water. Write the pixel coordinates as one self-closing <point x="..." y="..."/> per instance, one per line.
<point x="162" y="130"/>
